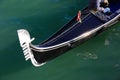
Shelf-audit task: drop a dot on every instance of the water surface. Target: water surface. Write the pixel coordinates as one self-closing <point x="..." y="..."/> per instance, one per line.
<point x="97" y="59"/>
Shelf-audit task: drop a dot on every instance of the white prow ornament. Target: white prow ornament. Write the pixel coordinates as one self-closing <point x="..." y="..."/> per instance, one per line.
<point x="25" y="41"/>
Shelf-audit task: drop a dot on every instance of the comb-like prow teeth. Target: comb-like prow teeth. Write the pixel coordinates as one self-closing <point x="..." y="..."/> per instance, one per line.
<point x="25" y="43"/>
<point x="24" y="38"/>
<point x="27" y="57"/>
<point x="24" y="47"/>
<point x="26" y="53"/>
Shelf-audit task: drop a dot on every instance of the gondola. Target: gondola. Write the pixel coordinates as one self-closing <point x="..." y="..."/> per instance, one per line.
<point x="69" y="36"/>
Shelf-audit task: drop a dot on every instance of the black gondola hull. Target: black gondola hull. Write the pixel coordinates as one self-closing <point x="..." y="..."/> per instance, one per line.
<point x="42" y="57"/>
<point x="69" y="36"/>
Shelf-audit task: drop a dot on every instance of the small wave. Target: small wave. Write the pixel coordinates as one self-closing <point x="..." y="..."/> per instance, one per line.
<point x="107" y="42"/>
<point x="88" y="55"/>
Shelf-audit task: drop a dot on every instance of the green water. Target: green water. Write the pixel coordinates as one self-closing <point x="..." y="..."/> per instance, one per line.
<point x="97" y="59"/>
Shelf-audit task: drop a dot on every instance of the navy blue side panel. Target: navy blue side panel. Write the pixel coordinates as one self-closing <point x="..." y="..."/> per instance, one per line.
<point x="115" y="6"/>
<point x="91" y="22"/>
<point x="70" y="24"/>
<point x="65" y="27"/>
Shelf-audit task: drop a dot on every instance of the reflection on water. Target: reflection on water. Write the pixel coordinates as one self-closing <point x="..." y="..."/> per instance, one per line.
<point x="87" y="56"/>
<point x="106" y="42"/>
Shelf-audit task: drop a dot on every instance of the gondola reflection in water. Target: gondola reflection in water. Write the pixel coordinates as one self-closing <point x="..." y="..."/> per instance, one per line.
<point x="69" y="36"/>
